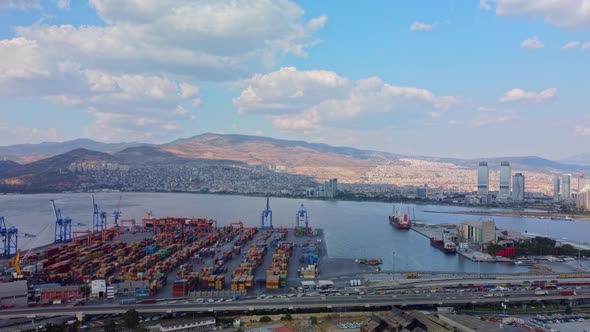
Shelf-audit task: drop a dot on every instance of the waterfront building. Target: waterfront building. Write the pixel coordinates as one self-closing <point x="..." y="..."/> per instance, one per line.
<point x="422" y="192"/>
<point x="518" y="188"/>
<point x="583" y="198"/>
<point x="505" y="176"/>
<point x="556" y="188"/>
<point x="483" y="178"/>
<point x="478" y="231"/>
<point x="330" y="188"/>
<point x="566" y="186"/>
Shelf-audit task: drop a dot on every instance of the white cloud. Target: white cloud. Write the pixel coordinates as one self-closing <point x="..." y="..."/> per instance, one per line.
<point x="520" y="95"/>
<point x="206" y="40"/>
<point x="11" y="134"/>
<point x="20" y="59"/>
<point x="63" y="4"/>
<point x="586" y="45"/>
<point x="489" y="117"/>
<point x="582" y="130"/>
<point x="133" y="72"/>
<point x="419" y="26"/>
<point x="561" y="13"/>
<point x="532" y="43"/>
<point x="302" y="100"/>
<point x="571" y="45"/>
<point x="20" y="4"/>
<point x="485" y="5"/>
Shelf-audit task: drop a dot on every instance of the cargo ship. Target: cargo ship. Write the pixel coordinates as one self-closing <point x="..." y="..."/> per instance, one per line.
<point x="400" y="221"/>
<point x="447" y="247"/>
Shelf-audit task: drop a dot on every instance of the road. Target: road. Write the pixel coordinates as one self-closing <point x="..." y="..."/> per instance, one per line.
<point x="293" y="303"/>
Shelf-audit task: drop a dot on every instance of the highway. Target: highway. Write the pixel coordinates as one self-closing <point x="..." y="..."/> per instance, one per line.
<point x="302" y="303"/>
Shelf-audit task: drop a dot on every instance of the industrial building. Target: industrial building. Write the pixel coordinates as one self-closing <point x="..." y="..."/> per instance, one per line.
<point x="189" y="325"/>
<point x="483" y="232"/>
<point x="483" y="178"/>
<point x="505" y="176"/>
<point x="14" y="293"/>
<point x="57" y="293"/>
<point x="518" y="187"/>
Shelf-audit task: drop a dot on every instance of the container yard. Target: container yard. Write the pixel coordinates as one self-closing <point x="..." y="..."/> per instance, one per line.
<point x="176" y="257"/>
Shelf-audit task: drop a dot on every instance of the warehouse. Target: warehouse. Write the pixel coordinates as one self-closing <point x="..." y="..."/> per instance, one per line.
<point x="14" y="293"/>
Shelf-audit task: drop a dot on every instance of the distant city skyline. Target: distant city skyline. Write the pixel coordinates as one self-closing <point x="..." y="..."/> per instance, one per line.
<point x="467" y="79"/>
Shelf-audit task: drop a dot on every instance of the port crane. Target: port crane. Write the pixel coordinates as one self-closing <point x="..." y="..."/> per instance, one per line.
<point x="266" y="216"/>
<point x="63" y="226"/>
<point x="9" y="237"/>
<point x="99" y="218"/>
<point x="117" y="213"/>
<point x="301" y="218"/>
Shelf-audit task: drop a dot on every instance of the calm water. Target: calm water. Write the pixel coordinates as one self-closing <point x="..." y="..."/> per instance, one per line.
<point x="352" y="229"/>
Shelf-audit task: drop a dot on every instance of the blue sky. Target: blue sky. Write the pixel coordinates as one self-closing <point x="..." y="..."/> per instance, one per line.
<point x="442" y="78"/>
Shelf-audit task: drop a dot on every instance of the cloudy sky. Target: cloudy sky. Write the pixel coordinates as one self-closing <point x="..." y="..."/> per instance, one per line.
<point x="456" y="78"/>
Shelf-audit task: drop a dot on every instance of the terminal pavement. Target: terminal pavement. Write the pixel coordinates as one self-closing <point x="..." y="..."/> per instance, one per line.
<point x="304" y="303"/>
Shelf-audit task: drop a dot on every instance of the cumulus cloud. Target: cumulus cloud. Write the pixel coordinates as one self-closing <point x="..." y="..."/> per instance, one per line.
<point x="135" y="71"/>
<point x="571" y="14"/>
<point x="302" y="100"/>
<point x="532" y="43"/>
<point x="571" y="45"/>
<point x="419" y="26"/>
<point x="520" y="95"/>
<point x="208" y="40"/>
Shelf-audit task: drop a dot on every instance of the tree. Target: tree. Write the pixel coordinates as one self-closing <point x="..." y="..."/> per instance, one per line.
<point x="110" y="326"/>
<point x="568" y="310"/>
<point x="264" y="319"/>
<point x="131" y="318"/>
<point x="287" y="317"/>
<point x="313" y="320"/>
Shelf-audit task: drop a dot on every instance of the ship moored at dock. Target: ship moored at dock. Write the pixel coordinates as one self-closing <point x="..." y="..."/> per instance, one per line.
<point x="399" y="220"/>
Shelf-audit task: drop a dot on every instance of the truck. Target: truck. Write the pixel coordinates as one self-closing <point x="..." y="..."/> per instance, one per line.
<point x="567" y="293"/>
<point x="412" y="275"/>
<point x="541" y="293"/>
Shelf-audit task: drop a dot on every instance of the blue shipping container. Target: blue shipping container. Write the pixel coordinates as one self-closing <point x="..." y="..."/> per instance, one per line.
<point x="142" y="292"/>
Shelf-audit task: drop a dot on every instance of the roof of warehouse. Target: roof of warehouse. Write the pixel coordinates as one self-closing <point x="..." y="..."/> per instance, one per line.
<point x="14" y="287"/>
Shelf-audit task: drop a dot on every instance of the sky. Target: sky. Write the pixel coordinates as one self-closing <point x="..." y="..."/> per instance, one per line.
<point x="447" y="78"/>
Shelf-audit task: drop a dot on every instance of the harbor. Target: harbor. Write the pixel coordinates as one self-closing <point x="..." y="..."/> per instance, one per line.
<point x="138" y="261"/>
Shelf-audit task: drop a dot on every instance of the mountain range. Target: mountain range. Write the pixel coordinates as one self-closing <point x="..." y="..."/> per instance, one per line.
<point x="320" y="161"/>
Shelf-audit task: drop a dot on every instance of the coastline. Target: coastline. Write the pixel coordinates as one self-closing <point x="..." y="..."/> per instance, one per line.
<point x="520" y="214"/>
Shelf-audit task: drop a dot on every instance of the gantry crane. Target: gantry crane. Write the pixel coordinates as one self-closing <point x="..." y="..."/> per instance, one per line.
<point x="99" y="218"/>
<point x="117" y="212"/>
<point x="266" y="216"/>
<point x="63" y="227"/>
<point x="301" y="218"/>
<point x="9" y="237"/>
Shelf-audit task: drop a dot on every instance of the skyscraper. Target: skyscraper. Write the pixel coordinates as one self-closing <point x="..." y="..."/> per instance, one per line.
<point x="518" y="187"/>
<point x="505" y="176"/>
<point x="483" y="178"/>
<point x="566" y="188"/>
<point x="556" y="187"/>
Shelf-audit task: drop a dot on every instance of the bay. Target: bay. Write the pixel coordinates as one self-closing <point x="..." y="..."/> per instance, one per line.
<point x="352" y="229"/>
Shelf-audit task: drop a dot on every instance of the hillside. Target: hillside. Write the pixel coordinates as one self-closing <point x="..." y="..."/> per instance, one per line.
<point x="320" y="161"/>
<point x="27" y="153"/>
<point x="50" y="174"/>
